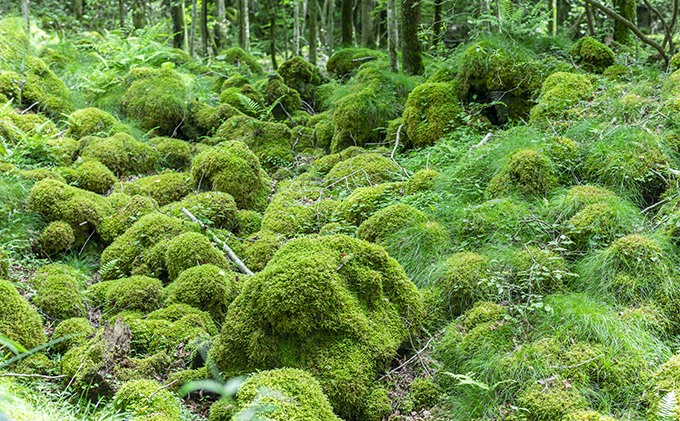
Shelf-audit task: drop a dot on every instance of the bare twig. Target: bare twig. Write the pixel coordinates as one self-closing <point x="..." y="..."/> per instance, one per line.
<point x="165" y="386"/>
<point x="416" y="355"/>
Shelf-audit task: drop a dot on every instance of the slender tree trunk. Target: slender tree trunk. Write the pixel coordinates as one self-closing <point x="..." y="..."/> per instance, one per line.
<point x="346" y="25"/>
<point x="392" y="35"/>
<point x="26" y="14"/>
<point x="296" y="27"/>
<point x="77" y="7"/>
<point x="437" y="26"/>
<point x="139" y="14"/>
<point x="178" y="24"/>
<point x="204" y="28"/>
<point x="194" y="24"/>
<point x="367" y="31"/>
<point x="625" y="8"/>
<point x="221" y="24"/>
<point x="554" y="18"/>
<point x="330" y="40"/>
<point x="121" y="13"/>
<point x="313" y="5"/>
<point x="589" y="18"/>
<point x="243" y="25"/>
<point x="411" y="56"/>
<point x="272" y="40"/>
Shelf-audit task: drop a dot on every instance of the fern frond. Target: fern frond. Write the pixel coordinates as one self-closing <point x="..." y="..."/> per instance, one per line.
<point x="668" y="407"/>
<point x="251" y="106"/>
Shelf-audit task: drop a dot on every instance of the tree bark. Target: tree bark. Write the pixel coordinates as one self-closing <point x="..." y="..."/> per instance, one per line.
<point x="272" y="39"/>
<point x="204" y="28"/>
<point x="121" y="13"/>
<point x="411" y="56"/>
<point x="313" y="36"/>
<point x="625" y="8"/>
<point x="77" y="7"/>
<point x="330" y="39"/>
<point x="612" y="14"/>
<point x="367" y="32"/>
<point x="589" y="16"/>
<point x="296" y="27"/>
<point x="221" y="24"/>
<point x="243" y="25"/>
<point x="346" y="26"/>
<point x="392" y="35"/>
<point x="194" y="24"/>
<point x="437" y="24"/>
<point x="26" y="14"/>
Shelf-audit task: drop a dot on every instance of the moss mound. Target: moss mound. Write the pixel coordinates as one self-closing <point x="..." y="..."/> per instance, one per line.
<point x="192" y="249"/>
<point x="205" y="287"/>
<point x="203" y="120"/>
<point x="214" y="208"/>
<point x="293" y="212"/>
<point x="343" y="62"/>
<point x="174" y="153"/>
<point x="42" y="87"/>
<point x="289" y="101"/>
<point x="93" y="122"/>
<point x="56" y="238"/>
<point x="270" y="142"/>
<point x="59" y="295"/>
<point x="133" y="249"/>
<point x="94" y="176"/>
<point x="79" y="327"/>
<point x="260" y="250"/>
<point x="300" y="75"/>
<point x="365" y="201"/>
<point x="592" y="55"/>
<point x="422" y="181"/>
<point x="136" y="293"/>
<point x="81" y="209"/>
<point x="560" y="95"/>
<point x="363" y="170"/>
<point x="302" y="294"/>
<point x="237" y="57"/>
<point x="230" y="167"/>
<point x="164" y="188"/>
<point x="389" y="220"/>
<point x="432" y="111"/>
<point x="144" y="401"/>
<point x="528" y="172"/>
<point x="121" y="153"/>
<point x="460" y="283"/>
<point x="125" y="216"/>
<point x="18" y="321"/>
<point x="288" y="393"/>
<point x="155" y="98"/>
<point x="554" y="401"/>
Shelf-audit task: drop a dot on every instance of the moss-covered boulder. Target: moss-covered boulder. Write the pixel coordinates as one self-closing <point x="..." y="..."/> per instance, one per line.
<point x="365" y="201"/>
<point x="203" y="119"/>
<point x="343" y="62"/>
<point x="423" y="180"/>
<point x="334" y="280"/>
<point x="293" y="212"/>
<point x="192" y="249"/>
<point x="125" y="216"/>
<point x="58" y="294"/>
<point x="359" y="117"/>
<point x="121" y="153"/>
<point x="155" y="98"/>
<point x="363" y="170"/>
<point x="550" y="399"/>
<point x="300" y="75"/>
<point x="136" y="293"/>
<point x="432" y="111"/>
<point x="18" y="320"/>
<point x="270" y="142"/>
<point x="592" y="55"/>
<point x="560" y="95"/>
<point x="230" y="167"/>
<point x="4" y="264"/>
<point x="205" y="287"/>
<point x="93" y="122"/>
<point x="286" y="98"/>
<point x="14" y="42"/>
<point x="528" y="172"/>
<point x="214" y="208"/>
<point x="81" y="209"/>
<point x="389" y="220"/>
<point x="42" y="87"/>
<point x="79" y="327"/>
<point x="461" y="281"/>
<point x="57" y="237"/>
<point x="167" y="187"/>
<point x="246" y="63"/>
<point x="175" y="154"/>
<point x="143" y="400"/>
<point x="260" y="248"/>
<point x="94" y="176"/>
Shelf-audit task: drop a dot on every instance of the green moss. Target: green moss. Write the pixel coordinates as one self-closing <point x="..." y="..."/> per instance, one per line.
<point x="185" y="314"/>
<point x="94" y="176"/>
<point x="539" y="270"/>
<point x="56" y="238"/>
<point x="236" y="57"/>
<point x="560" y="95"/>
<point x="423" y="180"/>
<point x="203" y="120"/>
<point x="432" y="111"/>
<point x="185" y="376"/>
<point x="528" y="171"/>
<point x="233" y="97"/>
<point x="270" y="142"/>
<point x="216" y="209"/>
<point x="14" y="43"/>
<point x="359" y="117"/>
<point x="64" y="149"/>
<point x="592" y="55"/>
<point x="343" y="62"/>
<point x="44" y="88"/>
<point x="192" y="249"/>
<point x="128" y="251"/>
<point x="363" y="170"/>
<point x="389" y="220"/>
<point x="34" y="364"/>
<point x="205" y="287"/>
<point x="485" y="222"/>
<point x="144" y="401"/>
<point x="461" y="281"/>
<point x="222" y="410"/>
<point x="18" y="321"/>
<point x="41" y="174"/>
<point x="289" y="99"/>
<point x="300" y="75"/>
<point x="424" y="393"/>
<point x="93" y="122"/>
<point x="125" y="216"/>
<point x="365" y="201"/>
<point x="550" y="400"/>
<point x="4" y="264"/>
<point x="136" y="293"/>
<point x="81" y="209"/>
<point x="288" y="393"/>
<point x="79" y="327"/>
<point x="231" y="168"/>
<point x="10" y="86"/>
<point x="587" y="416"/>
<point x="121" y="153"/>
<point x="156" y="100"/>
<point x="484" y="312"/>
<point x="377" y="405"/>
<point x="260" y="249"/>
<point x="174" y="153"/>
<point x="164" y="188"/>
<point x="249" y="222"/>
<point x="294" y="212"/>
<point x="356" y="314"/>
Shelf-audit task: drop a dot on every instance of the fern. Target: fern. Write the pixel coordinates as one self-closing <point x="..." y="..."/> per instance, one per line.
<point x="668" y="407"/>
<point x="254" y="108"/>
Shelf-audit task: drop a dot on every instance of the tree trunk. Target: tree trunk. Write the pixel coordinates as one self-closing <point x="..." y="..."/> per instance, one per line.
<point x="204" y="28"/>
<point x="194" y="24"/>
<point x="437" y="25"/>
<point x="221" y="24"/>
<point x="272" y="41"/>
<point x="367" y="32"/>
<point x="26" y="14"/>
<point x="346" y="26"/>
<point x="139" y="14"/>
<point x="330" y="39"/>
<point x="313" y="5"/>
<point x="411" y="56"/>
<point x="77" y="7"/>
<point x="625" y="8"/>
<point x="121" y="13"/>
<point x="589" y="16"/>
<point x="296" y="27"/>
<point x="179" y="39"/>
<point x="243" y="25"/>
<point x="392" y="35"/>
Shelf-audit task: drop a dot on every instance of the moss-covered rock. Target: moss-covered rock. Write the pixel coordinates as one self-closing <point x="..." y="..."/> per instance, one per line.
<point x="14" y="42"/>
<point x="300" y="75"/>
<point x="230" y="167"/>
<point x="167" y="187"/>
<point x="359" y="117"/>
<point x="94" y="176"/>
<point x="246" y="63"/>
<point x="260" y="249"/>
<point x="144" y="401"/>
<point x="93" y="122"/>
<point x="432" y="111"/>
<point x="424" y="392"/>
<point x="38" y="174"/>
<point x="192" y="249"/>
<point x="389" y="220"/>
<point x="423" y="180"/>
<point x="18" y="320"/>
<point x="528" y="172"/>
<point x="136" y="293"/>
<point x="10" y="87"/>
<point x="203" y="120"/>
<point x="249" y="222"/>
<point x="214" y="208"/>
<point x="350" y="343"/>
<point x="4" y="264"/>
<point x="560" y="94"/>
<point x="79" y="327"/>
<point x="59" y="296"/>
<point x="270" y="142"/>
<point x="363" y="170"/>
<point x="56" y="238"/>
<point x="294" y="212"/>
<point x="343" y="62"/>
<point x="461" y="281"/>
<point x="365" y="201"/>
<point x="121" y="153"/>
<point x="155" y="98"/>
<point x="592" y="55"/>
<point x="175" y="154"/>
<point x="125" y="216"/>
<point x="81" y="209"/>
<point x="549" y="401"/>
<point x="131" y="250"/>
<point x="275" y="89"/>
<point x="42" y="87"/>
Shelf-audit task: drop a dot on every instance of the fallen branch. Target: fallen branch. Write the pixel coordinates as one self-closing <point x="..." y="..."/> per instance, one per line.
<point x="242" y="266"/>
<point x="31" y="375"/>
<point x="416" y="355"/>
<point x="159" y="389"/>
